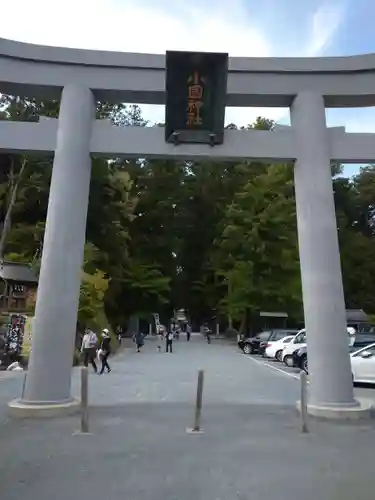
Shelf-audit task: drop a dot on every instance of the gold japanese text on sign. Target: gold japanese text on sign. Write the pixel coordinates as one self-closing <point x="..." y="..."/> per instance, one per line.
<point x="195" y="100"/>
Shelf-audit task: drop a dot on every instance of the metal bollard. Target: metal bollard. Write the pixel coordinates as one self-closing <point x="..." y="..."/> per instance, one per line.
<point x="24" y="385"/>
<point x="198" y="405"/>
<point x="303" y="379"/>
<point x="84" y="400"/>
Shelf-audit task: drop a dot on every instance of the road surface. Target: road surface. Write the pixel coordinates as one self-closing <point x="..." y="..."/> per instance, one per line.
<point x="251" y="448"/>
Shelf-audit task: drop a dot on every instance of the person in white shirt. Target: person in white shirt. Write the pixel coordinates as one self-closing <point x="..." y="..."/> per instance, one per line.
<point x="161" y="333"/>
<point x="169" y="341"/>
<point x="88" y="348"/>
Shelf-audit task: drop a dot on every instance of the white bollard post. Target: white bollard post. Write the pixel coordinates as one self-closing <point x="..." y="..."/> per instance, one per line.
<point x="303" y="380"/>
<point x="24" y="384"/>
<point x="84" y="400"/>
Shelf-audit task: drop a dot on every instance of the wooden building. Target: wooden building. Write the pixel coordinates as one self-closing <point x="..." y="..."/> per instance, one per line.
<point x="18" y="287"/>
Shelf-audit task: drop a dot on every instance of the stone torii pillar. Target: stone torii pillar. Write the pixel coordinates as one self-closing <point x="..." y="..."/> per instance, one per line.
<point x="331" y="387"/>
<point x="47" y="389"/>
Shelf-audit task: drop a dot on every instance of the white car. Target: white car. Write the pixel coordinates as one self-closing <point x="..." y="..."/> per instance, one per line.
<point x="275" y="349"/>
<point x="363" y="364"/>
<point x="300" y="341"/>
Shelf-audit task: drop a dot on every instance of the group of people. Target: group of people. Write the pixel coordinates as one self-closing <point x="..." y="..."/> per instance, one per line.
<point x="164" y="336"/>
<point x="92" y="349"/>
<point x="174" y="332"/>
<point x="169" y="335"/>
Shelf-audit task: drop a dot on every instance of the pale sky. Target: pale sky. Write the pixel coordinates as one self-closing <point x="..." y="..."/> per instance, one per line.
<point x="266" y="28"/>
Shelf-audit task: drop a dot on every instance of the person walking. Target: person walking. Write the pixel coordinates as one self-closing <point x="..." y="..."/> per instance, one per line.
<point x="119" y="338"/>
<point x="169" y="342"/>
<point x="88" y="348"/>
<point x="139" y="340"/>
<point x="160" y="337"/>
<point x="177" y="332"/>
<point x="188" y="332"/>
<point x="105" y="350"/>
<point x="207" y="332"/>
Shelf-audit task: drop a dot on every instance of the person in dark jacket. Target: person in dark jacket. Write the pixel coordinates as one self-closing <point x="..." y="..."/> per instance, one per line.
<point x="207" y="333"/>
<point x="139" y="340"/>
<point x="105" y="348"/>
<point x="188" y="332"/>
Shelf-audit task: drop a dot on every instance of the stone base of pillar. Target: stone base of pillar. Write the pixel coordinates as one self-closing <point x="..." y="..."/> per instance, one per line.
<point x="363" y="410"/>
<point x="23" y="409"/>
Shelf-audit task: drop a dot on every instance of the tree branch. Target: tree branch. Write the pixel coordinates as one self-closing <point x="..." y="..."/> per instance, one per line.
<point x="7" y="220"/>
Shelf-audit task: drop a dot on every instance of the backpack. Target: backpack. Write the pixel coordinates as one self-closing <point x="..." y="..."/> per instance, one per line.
<point x="93" y="339"/>
<point x="170" y="336"/>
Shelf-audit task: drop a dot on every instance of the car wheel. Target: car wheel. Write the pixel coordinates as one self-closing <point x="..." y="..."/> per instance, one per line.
<point x="304" y="365"/>
<point x="288" y="360"/>
<point x="247" y="349"/>
<point x="278" y="355"/>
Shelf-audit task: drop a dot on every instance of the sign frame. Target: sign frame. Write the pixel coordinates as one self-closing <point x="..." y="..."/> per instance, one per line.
<point x="196" y="88"/>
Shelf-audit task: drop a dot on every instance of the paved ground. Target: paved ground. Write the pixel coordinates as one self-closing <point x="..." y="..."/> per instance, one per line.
<point x="362" y="391"/>
<point x="252" y="447"/>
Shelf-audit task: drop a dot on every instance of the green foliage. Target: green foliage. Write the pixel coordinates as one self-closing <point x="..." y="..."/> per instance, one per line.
<point x="93" y="288"/>
<point x="216" y="238"/>
<point x="141" y="288"/>
<point x="256" y="253"/>
<point x="355" y="207"/>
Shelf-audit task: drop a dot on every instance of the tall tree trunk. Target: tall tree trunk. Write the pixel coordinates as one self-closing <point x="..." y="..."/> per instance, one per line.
<point x="243" y="323"/>
<point x="14" y="185"/>
<point x="229" y="292"/>
<point x="230" y="321"/>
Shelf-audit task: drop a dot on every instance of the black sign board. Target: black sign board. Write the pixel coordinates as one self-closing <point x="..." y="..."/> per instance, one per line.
<point x="196" y="85"/>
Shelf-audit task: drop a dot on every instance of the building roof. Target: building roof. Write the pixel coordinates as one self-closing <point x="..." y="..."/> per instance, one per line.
<point x="353" y="315"/>
<point x="267" y="314"/>
<point x="356" y="315"/>
<point x="14" y="271"/>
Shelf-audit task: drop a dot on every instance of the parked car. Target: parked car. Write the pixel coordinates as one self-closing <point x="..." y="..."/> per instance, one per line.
<point x="300" y="341"/>
<point x="361" y="340"/>
<point x="363" y="364"/>
<point x="300" y="358"/>
<point x="257" y="344"/>
<point x="288" y="349"/>
<point x="274" y="349"/>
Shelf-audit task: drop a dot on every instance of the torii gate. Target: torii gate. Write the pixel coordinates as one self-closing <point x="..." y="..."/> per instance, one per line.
<point x="79" y="77"/>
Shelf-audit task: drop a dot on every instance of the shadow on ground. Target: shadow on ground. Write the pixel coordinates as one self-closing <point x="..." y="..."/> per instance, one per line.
<point x="142" y="451"/>
<point x="252" y="447"/>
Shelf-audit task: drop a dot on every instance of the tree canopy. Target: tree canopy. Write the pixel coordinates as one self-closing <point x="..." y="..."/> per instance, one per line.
<point x="215" y="238"/>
